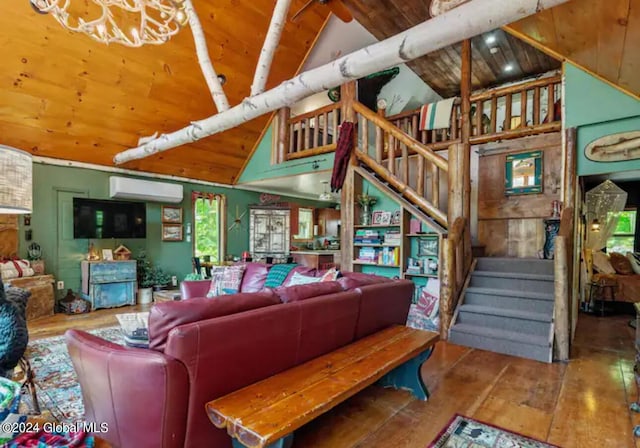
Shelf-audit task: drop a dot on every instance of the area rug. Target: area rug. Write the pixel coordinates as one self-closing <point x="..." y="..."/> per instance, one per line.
<point x="56" y="382"/>
<point x="464" y="432"/>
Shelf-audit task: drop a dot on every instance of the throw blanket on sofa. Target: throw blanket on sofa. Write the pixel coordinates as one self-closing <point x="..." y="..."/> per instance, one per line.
<point x="436" y="115"/>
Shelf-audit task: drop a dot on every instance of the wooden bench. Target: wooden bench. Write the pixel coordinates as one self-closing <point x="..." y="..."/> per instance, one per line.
<point x="266" y="414"/>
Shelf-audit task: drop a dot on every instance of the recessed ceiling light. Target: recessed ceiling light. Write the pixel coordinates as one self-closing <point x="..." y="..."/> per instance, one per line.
<point x="493" y="50"/>
<point x="490" y="39"/>
<point x="508" y="68"/>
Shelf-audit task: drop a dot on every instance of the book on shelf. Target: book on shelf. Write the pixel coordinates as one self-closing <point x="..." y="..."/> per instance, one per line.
<point x="367" y="233"/>
<point x="393" y="237"/>
<point x="389" y="256"/>
<point x="367" y="241"/>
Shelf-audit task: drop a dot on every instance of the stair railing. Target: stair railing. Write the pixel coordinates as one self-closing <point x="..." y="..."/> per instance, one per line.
<point x="401" y="161"/>
<point x="456" y="265"/>
<point x="313" y="133"/>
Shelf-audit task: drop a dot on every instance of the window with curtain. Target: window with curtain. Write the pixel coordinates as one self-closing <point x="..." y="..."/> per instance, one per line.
<point x="624" y="235"/>
<point x="208" y="228"/>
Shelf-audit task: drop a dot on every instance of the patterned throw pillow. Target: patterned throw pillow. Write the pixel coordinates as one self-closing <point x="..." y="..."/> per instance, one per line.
<point x="299" y="279"/>
<point x="602" y="264"/>
<point x="216" y="280"/>
<point x="634" y="259"/>
<point x="277" y="274"/>
<point x="620" y="263"/>
<point x="231" y="279"/>
<point x="330" y="276"/>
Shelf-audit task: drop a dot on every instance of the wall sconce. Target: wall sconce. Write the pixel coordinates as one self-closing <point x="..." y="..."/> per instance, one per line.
<point x="595" y="225"/>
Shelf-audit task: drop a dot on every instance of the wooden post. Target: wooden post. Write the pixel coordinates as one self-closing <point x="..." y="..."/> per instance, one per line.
<point x="352" y="186"/>
<point x="536" y="106"/>
<point x="569" y="188"/>
<point x="380" y="137"/>
<point x="455" y="181"/>
<point x="283" y="134"/>
<point x="561" y="292"/>
<point x="447" y="279"/>
<point x="465" y="163"/>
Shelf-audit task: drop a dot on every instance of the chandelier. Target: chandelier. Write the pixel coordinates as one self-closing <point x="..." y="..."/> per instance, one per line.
<point x="128" y="22"/>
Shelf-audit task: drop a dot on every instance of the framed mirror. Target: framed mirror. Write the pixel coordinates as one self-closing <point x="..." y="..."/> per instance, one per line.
<point x="523" y="173"/>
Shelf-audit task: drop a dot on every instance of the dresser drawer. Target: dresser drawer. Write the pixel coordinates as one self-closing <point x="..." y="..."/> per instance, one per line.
<point x="117" y="271"/>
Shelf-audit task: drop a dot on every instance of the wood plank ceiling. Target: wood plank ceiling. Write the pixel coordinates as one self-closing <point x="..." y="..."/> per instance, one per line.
<point x="601" y="36"/>
<point x="65" y="96"/>
<point x="441" y="69"/>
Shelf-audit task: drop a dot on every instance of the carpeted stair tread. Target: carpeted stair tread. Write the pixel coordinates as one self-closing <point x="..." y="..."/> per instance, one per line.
<point x="540" y="341"/>
<point x="515" y="314"/>
<point x="516" y="275"/>
<point x="509" y="293"/>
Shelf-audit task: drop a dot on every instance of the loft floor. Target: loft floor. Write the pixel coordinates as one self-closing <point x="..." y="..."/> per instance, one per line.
<point x="581" y="404"/>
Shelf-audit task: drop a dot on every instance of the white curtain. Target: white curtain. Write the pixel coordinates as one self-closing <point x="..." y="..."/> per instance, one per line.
<point x="603" y="203"/>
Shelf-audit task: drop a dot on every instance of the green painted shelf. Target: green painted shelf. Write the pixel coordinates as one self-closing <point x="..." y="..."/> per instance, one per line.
<point x="368" y="263"/>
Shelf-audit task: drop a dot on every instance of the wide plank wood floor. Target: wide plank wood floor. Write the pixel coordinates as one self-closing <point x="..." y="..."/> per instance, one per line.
<point x="583" y="403"/>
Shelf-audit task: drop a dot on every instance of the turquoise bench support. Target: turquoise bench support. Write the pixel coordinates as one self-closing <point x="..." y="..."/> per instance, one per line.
<point x="285" y="442"/>
<point x="407" y="376"/>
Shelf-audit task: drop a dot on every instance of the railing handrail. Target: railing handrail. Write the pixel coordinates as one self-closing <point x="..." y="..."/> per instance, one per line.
<point x="399" y="135"/>
<point x="316" y="112"/>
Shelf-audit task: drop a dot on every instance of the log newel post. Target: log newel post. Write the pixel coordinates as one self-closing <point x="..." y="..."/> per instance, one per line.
<point x="465" y="108"/>
<point x="348" y="211"/>
<point x="284" y="136"/>
<point x="561" y="292"/>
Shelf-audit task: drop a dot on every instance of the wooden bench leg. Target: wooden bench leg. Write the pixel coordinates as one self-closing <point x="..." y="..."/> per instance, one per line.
<point x="407" y="376"/>
<point x="285" y="442"/>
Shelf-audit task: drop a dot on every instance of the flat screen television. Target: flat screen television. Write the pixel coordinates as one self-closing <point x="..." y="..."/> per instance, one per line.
<point x="99" y="218"/>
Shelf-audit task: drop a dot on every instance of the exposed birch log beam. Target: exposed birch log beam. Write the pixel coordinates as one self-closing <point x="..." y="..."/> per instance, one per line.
<point x="271" y="42"/>
<point x="441" y="6"/>
<point x="210" y="75"/>
<point x="468" y="20"/>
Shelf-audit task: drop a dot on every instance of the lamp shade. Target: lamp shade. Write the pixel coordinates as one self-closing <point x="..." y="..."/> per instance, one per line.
<point x="16" y="176"/>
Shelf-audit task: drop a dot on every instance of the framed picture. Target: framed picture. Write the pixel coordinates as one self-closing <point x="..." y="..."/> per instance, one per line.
<point x="107" y="254"/>
<point x="385" y="219"/>
<point x="428" y="247"/>
<point x="376" y="218"/>
<point x="395" y="217"/>
<point x="171" y="232"/>
<point x="172" y="214"/>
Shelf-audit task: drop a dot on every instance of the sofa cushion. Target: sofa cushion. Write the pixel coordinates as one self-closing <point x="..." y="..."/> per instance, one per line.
<point x="165" y="316"/>
<point x="231" y="279"/>
<point x="215" y="287"/>
<point x="351" y="280"/>
<point x="620" y="263"/>
<point x="300" y="279"/>
<point x="190" y="289"/>
<point x="303" y="270"/>
<point x="278" y="274"/>
<point x="383" y="305"/>
<point x="255" y="275"/>
<point x="602" y="263"/>
<point x="301" y="292"/>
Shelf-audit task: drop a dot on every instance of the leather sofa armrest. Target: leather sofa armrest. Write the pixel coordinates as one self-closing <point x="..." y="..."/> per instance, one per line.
<point x="190" y="289"/>
<point x="142" y="395"/>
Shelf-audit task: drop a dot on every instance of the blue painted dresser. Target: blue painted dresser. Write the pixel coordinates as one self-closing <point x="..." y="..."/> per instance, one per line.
<point x="107" y="284"/>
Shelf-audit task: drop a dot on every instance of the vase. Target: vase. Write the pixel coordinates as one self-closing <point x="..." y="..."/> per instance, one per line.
<point x="365" y="215"/>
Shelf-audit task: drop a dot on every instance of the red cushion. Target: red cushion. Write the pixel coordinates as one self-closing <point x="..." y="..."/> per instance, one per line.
<point x="350" y="280"/>
<point x="167" y="315"/>
<point x="383" y="305"/>
<point x="301" y="292"/>
<point x="255" y="274"/>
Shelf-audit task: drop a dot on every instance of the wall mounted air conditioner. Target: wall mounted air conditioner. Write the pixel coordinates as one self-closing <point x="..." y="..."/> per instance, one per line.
<point x="145" y="190"/>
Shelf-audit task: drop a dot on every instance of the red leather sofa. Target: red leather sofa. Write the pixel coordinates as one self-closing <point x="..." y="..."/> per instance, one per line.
<point x="201" y="349"/>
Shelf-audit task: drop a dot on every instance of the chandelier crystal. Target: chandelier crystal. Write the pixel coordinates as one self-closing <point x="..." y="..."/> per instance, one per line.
<point x="128" y="22"/>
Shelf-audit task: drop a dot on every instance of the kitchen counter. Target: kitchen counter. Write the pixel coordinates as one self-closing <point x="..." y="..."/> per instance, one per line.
<point x="319" y="259"/>
<point x="315" y="252"/>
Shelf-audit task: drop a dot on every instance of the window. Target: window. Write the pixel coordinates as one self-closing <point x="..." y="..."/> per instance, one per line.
<point x="208" y="230"/>
<point x="624" y="235"/>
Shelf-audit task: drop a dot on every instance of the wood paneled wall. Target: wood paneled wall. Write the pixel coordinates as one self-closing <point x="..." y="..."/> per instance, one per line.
<point x="8" y="235"/>
<point x="511" y="226"/>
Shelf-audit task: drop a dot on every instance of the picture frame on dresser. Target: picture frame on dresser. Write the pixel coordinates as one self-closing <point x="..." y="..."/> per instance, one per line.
<point x="107" y="254"/>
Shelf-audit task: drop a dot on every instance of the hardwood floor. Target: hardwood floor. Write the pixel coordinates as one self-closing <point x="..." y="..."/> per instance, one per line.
<point x="583" y="403"/>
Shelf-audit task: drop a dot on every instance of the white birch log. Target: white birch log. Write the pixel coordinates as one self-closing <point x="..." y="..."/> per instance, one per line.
<point x="468" y="20"/>
<point x="210" y="75"/>
<point x="441" y="6"/>
<point x="271" y="41"/>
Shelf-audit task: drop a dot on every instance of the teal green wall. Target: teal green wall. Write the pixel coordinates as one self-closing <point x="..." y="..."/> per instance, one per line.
<point x="597" y="109"/>
<point x="173" y="257"/>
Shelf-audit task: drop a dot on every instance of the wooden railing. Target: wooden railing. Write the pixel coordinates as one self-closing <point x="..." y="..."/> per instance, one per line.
<point x="563" y="268"/>
<point x="407" y="171"/>
<point x="312" y="133"/>
<point x="456" y="261"/>
<point x="498" y="118"/>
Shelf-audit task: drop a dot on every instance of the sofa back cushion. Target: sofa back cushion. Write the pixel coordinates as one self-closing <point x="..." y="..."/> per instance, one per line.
<point x="288" y="294"/>
<point x="225" y="354"/>
<point x="190" y="289"/>
<point x="383" y="305"/>
<point x="168" y="315"/>
<point x="351" y="280"/>
<point x="255" y="274"/>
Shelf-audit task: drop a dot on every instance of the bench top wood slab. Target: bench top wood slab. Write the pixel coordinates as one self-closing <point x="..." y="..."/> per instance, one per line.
<point x="264" y="412"/>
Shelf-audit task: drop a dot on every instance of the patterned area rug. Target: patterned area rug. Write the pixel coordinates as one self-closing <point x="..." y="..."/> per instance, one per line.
<point x="56" y="382"/>
<point x="464" y="432"/>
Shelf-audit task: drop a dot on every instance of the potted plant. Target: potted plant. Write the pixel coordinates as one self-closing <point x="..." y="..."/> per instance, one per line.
<point x="146" y="278"/>
<point x="160" y="278"/>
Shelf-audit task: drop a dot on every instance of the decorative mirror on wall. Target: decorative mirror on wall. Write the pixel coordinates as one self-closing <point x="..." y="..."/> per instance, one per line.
<point x="523" y="173"/>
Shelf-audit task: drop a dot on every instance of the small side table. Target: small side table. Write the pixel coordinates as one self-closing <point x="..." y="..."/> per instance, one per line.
<point x="166" y="295"/>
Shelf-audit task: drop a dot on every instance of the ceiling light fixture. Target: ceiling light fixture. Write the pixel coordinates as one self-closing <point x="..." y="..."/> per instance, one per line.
<point x="145" y="21"/>
<point x="508" y="68"/>
<point x="490" y="39"/>
<point x="326" y="195"/>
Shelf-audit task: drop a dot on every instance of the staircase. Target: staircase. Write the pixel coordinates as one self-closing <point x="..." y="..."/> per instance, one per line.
<point x="508" y="308"/>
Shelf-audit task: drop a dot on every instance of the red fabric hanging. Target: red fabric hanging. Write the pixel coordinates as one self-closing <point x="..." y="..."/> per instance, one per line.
<point x="343" y="155"/>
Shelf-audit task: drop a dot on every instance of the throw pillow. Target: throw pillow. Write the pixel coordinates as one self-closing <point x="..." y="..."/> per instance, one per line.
<point x="277" y="274"/>
<point x="135" y="328"/>
<point x="330" y="276"/>
<point x="620" y="263"/>
<point x="602" y="264"/>
<point x="231" y="279"/>
<point x="216" y="280"/>
<point x="634" y="261"/>
<point x="299" y="279"/>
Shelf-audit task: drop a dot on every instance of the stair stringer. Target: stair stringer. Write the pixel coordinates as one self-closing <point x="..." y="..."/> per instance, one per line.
<point x="454" y="319"/>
